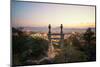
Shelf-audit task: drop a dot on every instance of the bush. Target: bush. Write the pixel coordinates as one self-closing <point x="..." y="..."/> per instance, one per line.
<point x="26" y="48"/>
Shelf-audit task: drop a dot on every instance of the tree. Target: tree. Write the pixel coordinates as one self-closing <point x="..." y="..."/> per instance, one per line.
<point x="90" y="47"/>
<point x="88" y="35"/>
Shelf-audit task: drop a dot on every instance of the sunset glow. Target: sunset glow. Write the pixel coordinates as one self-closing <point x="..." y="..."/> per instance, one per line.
<point x="28" y="14"/>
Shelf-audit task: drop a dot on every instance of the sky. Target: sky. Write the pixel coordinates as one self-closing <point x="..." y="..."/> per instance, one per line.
<point x="31" y="14"/>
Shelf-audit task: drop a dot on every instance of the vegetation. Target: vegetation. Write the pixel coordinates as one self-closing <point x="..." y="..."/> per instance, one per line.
<point x="90" y="47"/>
<point x="70" y="52"/>
<point x="74" y="51"/>
<point x="28" y="48"/>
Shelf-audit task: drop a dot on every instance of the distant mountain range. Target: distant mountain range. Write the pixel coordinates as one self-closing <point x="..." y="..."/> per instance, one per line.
<point x="57" y="29"/>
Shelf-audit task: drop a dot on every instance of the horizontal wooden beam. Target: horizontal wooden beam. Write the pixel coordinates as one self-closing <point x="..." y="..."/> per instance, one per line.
<point x="56" y="34"/>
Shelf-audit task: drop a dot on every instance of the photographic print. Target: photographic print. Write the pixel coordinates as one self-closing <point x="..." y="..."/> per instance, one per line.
<point x="52" y="33"/>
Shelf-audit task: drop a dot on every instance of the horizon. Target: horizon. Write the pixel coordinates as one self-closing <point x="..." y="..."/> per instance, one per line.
<point x="56" y="30"/>
<point x="51" y="27"/>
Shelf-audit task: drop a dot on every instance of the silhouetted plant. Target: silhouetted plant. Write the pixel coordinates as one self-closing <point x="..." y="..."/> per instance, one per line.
<point x="27" y="48"/>
<point x="90" y="46"/>
<point x="88" y="35"/>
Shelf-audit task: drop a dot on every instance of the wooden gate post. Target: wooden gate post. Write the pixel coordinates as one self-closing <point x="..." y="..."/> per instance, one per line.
<point x="61" y="35"/>
<point x="49" y="33"/>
